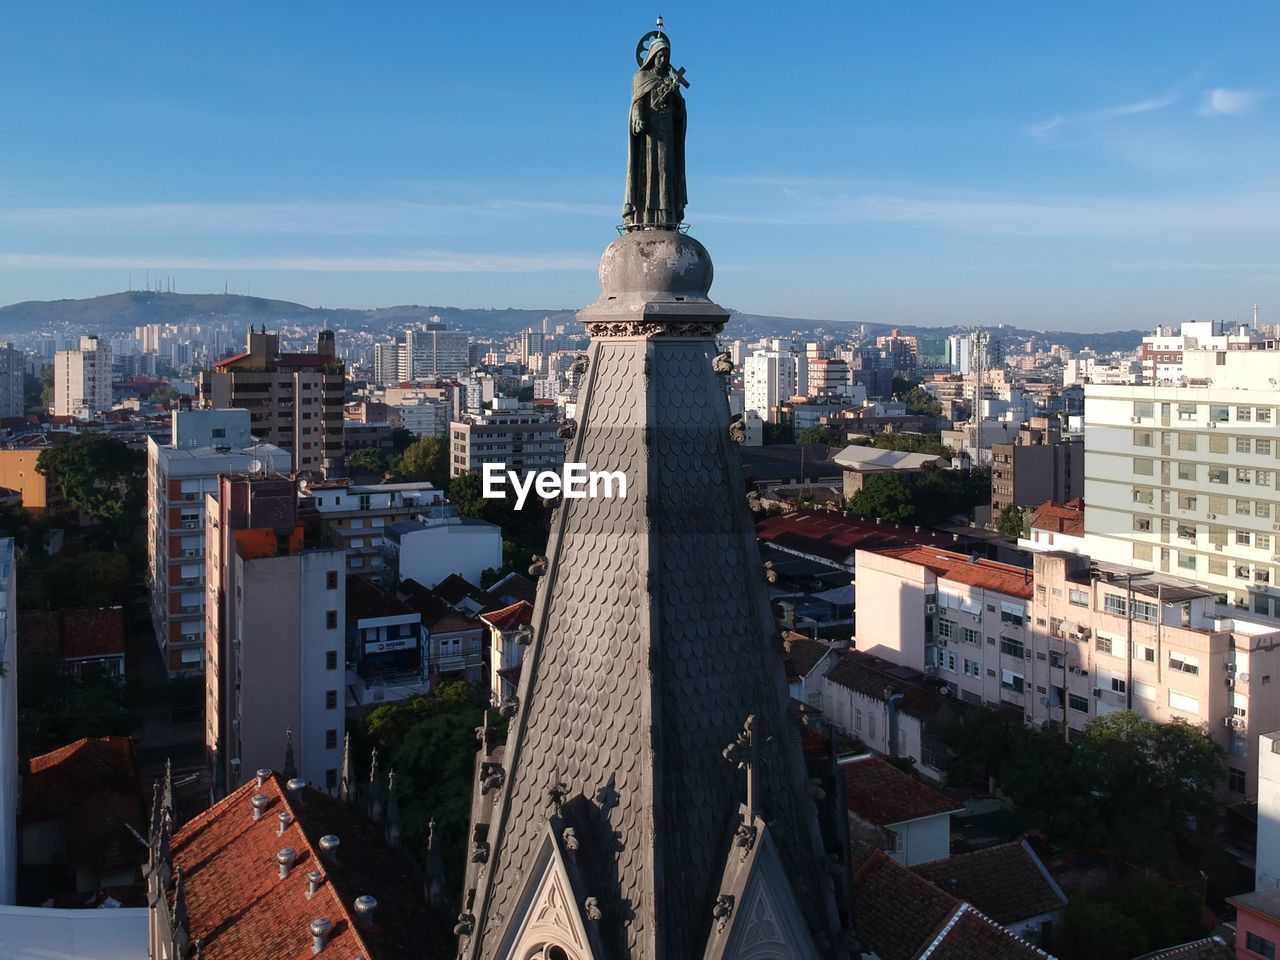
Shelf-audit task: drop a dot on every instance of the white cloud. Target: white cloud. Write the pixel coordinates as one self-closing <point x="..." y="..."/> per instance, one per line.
<point x="1043" y="128"/>
<point x="1220" y="102"/>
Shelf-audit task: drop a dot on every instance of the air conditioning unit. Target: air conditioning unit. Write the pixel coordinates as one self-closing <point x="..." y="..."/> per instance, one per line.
<point x="1135" y="419"/>
<point x="1230" y="682"/>
<point x="1075" y="671"/>
<point x="1211" y="425"/>
<point x="1044" y="701"/>
<point x="1212" y="516"/>
<point x="188" y="496"/>
<point x="1097" y="693"/>
<point x="1243" y="677"/>
<point x="190" y="524"/>
<point x="930" y="608"/>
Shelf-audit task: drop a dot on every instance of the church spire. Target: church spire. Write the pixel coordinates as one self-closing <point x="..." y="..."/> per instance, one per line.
<point x="611" y="821"/>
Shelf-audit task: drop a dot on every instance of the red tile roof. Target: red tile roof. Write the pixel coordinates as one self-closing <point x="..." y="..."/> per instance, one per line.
<point x="972" y="936"/>
<point x="902" y="917"/>
<point x="961" y="568"/>
<point x="835" y="538"/>
<point x="1210" y="948"/>
<point x="239" y="907"/>
<point x="1065" y="518"/>
<point x="1006" y="882"/>
<point x="366" y="600"/>
<point x="872" y="676"/>
<point x="803" y="654"/>
<point x="882" y="794"/>
<point x="899" y="914"/>
<point x="508" y="618"/>
<point x="92" y="787"/>
<point x="89" y="632"/>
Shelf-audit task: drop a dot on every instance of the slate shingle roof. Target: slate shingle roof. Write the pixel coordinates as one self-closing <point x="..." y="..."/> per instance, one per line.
<point x="880" y="793"/>
<point x="238" y="905"/>
<point x="653" y="642"/>
<point x="1006" y="882"/>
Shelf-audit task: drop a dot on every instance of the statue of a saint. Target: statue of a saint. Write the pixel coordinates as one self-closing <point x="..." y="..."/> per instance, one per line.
<point x="655" y="151"/>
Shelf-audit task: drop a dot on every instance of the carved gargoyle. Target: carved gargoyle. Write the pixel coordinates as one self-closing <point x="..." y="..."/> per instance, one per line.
<point x="722" y="363"/>
<point x="538" y="567"/>
<point x="580" y="364"/>
<point x="754" y="503"/>
<point x="508" y="707"/>
<point x="592" y="909"/>
<point x="524" y="634"/>
<point x="465" y="926"/>
<point x="723" y="910"/>
<point x="480" y="851"/>
<point x="738" y="431"/>
<point x="770" y="574"/>
<point x="567" y="429"/>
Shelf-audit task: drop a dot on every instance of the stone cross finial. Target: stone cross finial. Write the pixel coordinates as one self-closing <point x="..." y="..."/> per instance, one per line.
<point x="747" y="752"/>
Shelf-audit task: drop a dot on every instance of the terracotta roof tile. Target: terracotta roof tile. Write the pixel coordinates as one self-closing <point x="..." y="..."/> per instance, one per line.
<point x="90" y="632"/>
<point x="899" y="914"/>
<point x="58" y="779"/>
<point x="1007" y="882"/>
<point x="882" y="794"/>
<point x="960" y="568"/>
<point x="872" y="676"/>
<point x="1065" y="518"/>
<point x="972" y="936"/>
<point x="238" y="905"/>
<point x="1210" y="948"/>
<point x="365" y="600"/>
<point x="836" y="538"/>
<point x="803" y="654"/>
<point x="508" y="618"/>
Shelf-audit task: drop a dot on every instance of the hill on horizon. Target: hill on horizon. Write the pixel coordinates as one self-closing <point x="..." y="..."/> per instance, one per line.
<point x="121" y="312"/>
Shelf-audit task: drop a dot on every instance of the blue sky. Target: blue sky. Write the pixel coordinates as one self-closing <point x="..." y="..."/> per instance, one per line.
<point x="1083" y="166"/>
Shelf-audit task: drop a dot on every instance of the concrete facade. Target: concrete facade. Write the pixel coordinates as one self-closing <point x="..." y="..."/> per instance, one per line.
<point x="180" y="474"/>
<point x="82" y="380"/>
<point x="430" y="550"/>
<point x="358" y="514"/>
<point x="523" y="441"/>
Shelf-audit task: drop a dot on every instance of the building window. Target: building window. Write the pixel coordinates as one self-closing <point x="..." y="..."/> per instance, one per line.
<point x="945" y="629"/>
<point x="1142" y="524"/>
<point x="1146" y="495"/>
<point x="331" y="699"/>
<point x="1144" y="466"/>
<point x="1115" y="605"/>
<point x="1186" y="501"/>
<point x="1144" y="691"/>
<point x="1078" y="598"/>
<point x="331" y="660"/>
<point x="1144" y="611"/>
<point x="1239" y="745"/>
<point x="1186" y="471"/>
<point x="1012" y="681"/>
<point x="330" y="778"/>
<point x="972" y="636"/>
<point x="331" y="619"/>
<point x="1186" y="441"/>
<point x="1143" y="438"/>
<point x="1180" y="701"/>
<point x="1117" y="685"/>
<point x="1219" y="414"/>
<point x="1236" y="783"/>
<point x="330" y="739"/>
<point x="1012" y="648"/>
<point x="1218" y="475"/>
<point x="1103" y="644"/>
<point x="331" y="580"/>
<point x="1243" y="445"/>
<point x="1079" y="704"/>
<point x="972" y="668"/>
<point x="1242" y="538"/>
<point x="1143" y="408"/>
<point x="1184" y="663"/>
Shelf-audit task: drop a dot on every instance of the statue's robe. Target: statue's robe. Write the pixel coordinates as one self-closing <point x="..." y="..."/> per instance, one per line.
<point x="655" y="157"/>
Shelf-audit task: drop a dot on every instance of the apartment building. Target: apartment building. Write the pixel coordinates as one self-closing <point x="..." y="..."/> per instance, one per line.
<point x="13" y="364"/>
<point x="519" y="438"/>
<point x="770" y="378"/>
<point x="356" y="515"/>
<point x="275" y="627"/>
<point x="1161" y="353"/>
<point x="434" y="352"/>
<point x="1113" y="637"/>
<point x="1040" y="465"/>
<point x="180" y="475"/>
<point x="1186" y="479"/>
<point x="82" y="380"/>
<point x="1073" y="640"/>
<point x="295" y="399"/>
<point x="956" y="617"/>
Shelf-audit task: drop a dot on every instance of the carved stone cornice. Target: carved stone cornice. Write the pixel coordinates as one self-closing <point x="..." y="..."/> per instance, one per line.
<point x="599" y="329"/>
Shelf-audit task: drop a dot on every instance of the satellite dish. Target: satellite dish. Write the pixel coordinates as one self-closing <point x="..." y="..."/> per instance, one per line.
<point x="255" y="465"/>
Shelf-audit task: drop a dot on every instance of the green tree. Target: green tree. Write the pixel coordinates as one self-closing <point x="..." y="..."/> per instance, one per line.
<point x="1097" y="930"/>
<point x="98" y="578"/>
<point x="401" y="439"/>
<point x="889" y="496"/>
<point x="425" y="459"/>
<point x="1009" y="523"/>
<point x="100" y="476"/>
<point x="818" y="435"/>
<point x="163" y="395"/>
<point x="523" y="533"/>
<point x="772" y="433"/>
<point x="920" y="402"/>
<point x="368" y="459"/>
<point x="912" y="443"/>
<point x="431" y="744"/>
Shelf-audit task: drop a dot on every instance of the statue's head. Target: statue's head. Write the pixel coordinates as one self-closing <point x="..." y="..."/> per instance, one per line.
<point x="659" y="54"/>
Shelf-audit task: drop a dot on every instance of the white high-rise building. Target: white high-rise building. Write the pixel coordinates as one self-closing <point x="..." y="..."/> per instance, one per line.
<point x="434" y="353"/>
<point x="386" y="362"/>
<point x="82" y="380"/>
<point x="770" y="378"/>
<point x="1186" y="479"/>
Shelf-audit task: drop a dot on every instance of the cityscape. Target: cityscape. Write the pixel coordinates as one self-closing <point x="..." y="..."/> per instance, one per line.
<point x="646" y="627"/>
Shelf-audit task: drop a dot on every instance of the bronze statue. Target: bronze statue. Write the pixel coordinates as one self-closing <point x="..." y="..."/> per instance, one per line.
<point x="655" y="147"/>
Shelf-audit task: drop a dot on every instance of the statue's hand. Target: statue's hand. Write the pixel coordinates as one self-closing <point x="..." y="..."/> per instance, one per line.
<point x="637" y="125"/>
